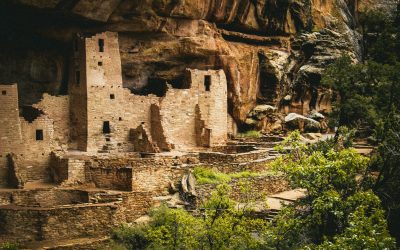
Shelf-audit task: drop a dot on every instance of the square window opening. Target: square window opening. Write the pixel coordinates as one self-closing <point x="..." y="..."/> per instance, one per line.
<point x="4" y="92"/>
<point x="207" y="82"/>
<point x="112" y="96"/>
<point x="39" y="134"/>
<point x="106" y="127"/>
<point x="100" y="63"/>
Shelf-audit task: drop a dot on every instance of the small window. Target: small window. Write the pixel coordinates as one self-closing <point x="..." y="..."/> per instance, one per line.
<point x="4" y="92"/>
<point x="100" y="63"/>
<point x="207" y="82"/>
<point x="39" y="134"/>
<point x="108" y="139"/>
<point x="101" y="45"/>
<point x="120" y="118"/>
<point x="78" y="77"/>
<point x="106" y="127"/>
<point x="112" y="96"/>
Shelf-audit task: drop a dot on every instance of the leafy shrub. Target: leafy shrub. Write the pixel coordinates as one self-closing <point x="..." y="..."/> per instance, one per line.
<point x="244" y="174"/>
<point x="220" y="225"/>
<point x="250" y="134"/>
<point x="131" y="236"/>
<point x="209" y="176"/>
<point x="8" y="246"/>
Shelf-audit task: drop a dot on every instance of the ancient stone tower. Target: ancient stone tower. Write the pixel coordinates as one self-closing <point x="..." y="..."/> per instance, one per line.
<point x="95" y="81"/>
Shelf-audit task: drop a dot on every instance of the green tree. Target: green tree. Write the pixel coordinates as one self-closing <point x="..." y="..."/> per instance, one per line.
<point x="337" y="197"/>
<point x="220" y="223"/>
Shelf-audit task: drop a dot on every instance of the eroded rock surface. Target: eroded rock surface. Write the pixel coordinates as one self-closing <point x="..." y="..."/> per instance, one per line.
<point x="268" y="49"/>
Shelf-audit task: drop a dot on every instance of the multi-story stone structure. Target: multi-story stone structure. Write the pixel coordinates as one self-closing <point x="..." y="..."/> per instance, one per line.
<point x="100" y="116"/>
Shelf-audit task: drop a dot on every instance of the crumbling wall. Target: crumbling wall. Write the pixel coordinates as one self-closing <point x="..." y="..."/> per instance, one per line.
<point x="178" y="111"/>
<point x="78" y="96"/>
<point x="113" y="174"/>
<point x="142" y="140"/>
<point x="111" y="109"/>
<point x="58" y="110"/>
<point x="213" y="103"/>
<point x="10" y="127"/>
<point x="31" y="142"/>
<point x="157" y="130"/>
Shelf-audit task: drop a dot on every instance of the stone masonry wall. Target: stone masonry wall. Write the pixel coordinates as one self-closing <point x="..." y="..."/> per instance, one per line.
<point x="26" y="224"/>
<point x="19" y="136"/>
<point x="178" y="110"/>
<point x="30" y="224"/>
<point x="112" y="110"/>
<point x="109" y="173"/>
<point x="10" y="127"/>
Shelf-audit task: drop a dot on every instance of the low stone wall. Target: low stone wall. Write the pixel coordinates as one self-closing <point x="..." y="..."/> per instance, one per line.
<point x="153" y="175"/>
<point x="27" y="224"/>
<point x="109" y="173"/>
<point x="33" y="224"/>
<point x="221" y="158"/>
<point x="133" y="206"/>
<point x="157" y="176"/>
<point x="260" y="186"/>
<point x="43" y="197"/>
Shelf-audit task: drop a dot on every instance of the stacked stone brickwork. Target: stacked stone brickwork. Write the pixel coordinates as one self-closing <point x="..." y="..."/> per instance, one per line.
<point x="101" y="116"/>
<point x="31" y="142"/>
<point x="10" y="127"/>
<point x="111" y="111"/>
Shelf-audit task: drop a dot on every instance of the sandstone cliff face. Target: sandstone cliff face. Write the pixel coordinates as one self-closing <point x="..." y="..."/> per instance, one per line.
<point x="269" y="49"/>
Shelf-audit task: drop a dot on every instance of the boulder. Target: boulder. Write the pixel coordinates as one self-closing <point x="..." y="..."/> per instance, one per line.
<point x="262" y="111"/>
<point x="188" y="184"/>
<point x="316" y="116"/>
<point x="302" y="123"/>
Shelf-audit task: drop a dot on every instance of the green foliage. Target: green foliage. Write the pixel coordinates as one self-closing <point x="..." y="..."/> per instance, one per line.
<point x="250" y="134"/>
<point x="387" y="163"/>
<point x="369" y="96"/>
<point x="366" y="230"/>
<point x="8" y="246"/>
<point x="220" y="225"/>
<point x="211" y="176"/>
<point x="380" y="34"/>
<point x="338" y="212"/>
<point x="131" y="236"/>
<point x="336" y="201"/>
<point x="174" y="229"/>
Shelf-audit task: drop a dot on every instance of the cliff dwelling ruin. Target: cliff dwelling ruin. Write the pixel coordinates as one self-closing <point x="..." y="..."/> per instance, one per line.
<point x="74" y="166"/>
<point x="100" y="116"/>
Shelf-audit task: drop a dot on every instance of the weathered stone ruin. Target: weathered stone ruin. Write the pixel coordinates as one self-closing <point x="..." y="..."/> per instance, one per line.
<point x="100" y="116"/>
<point x="75" y="166"/>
